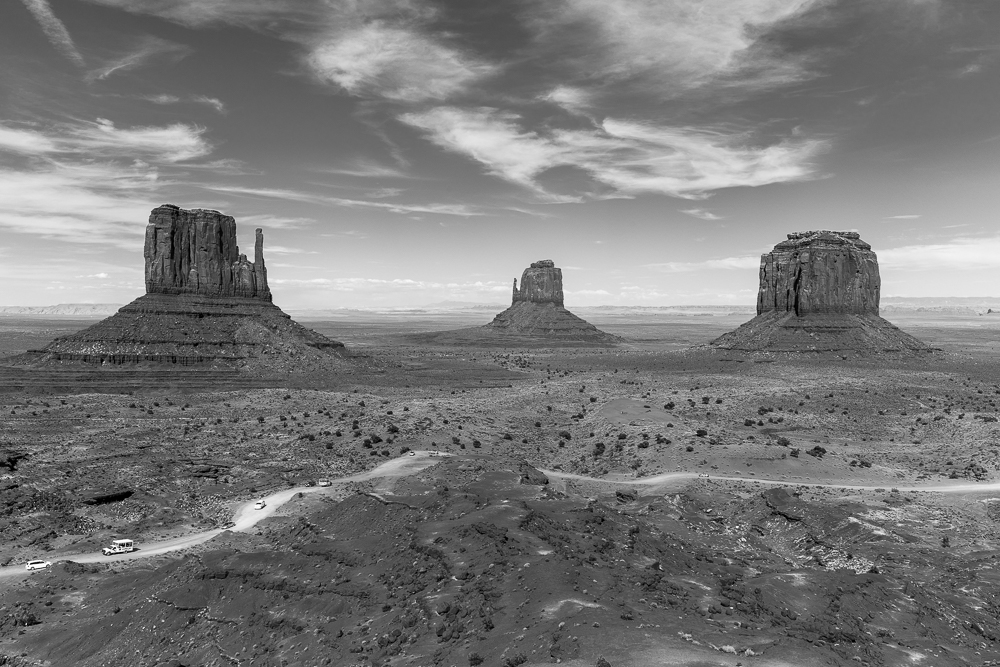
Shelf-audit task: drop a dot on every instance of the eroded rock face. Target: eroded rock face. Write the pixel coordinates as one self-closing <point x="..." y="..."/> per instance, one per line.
<point x="195" y="252"/>
<point x="820" y="272"/>
<point x="540" y="283"/>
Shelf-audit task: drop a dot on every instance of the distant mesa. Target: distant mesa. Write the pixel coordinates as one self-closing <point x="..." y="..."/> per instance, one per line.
<point x="819" y="292"/>
<point x="204" y="303"/>
<point x="537" y="309"/>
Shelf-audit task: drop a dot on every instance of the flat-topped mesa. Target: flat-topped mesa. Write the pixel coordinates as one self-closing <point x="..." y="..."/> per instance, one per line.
<point x="540" y="283"/>
<point x="820" y="272"/>
<point x="819" y="292"/>
<point x="195" y="252"/>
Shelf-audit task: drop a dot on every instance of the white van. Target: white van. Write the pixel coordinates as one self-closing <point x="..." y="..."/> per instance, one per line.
<point x="119" y="547"/>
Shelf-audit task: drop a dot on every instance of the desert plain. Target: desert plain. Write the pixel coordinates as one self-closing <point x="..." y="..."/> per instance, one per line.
<point x="650" y="502"/>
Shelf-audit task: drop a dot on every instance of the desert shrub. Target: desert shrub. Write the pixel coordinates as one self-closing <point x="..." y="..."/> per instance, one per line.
<point x="508" y="436"/>
<point x="669" y="406"/>
<point x="515" y="660"/>
<point x="689" y="448"/>
<point x="475" y="659"/>
<point x="643" y="444"/>
<point x="622" y="436"/>
<point x="599" y="449"/>
<point x="816" y="451"/>
<point x="794" y="453"/>
<point x="404" y="449"/>
<point x="565" y="435"/>
<point x="784" y="442"/>
<point x="701" y="433"/>
<point x="748" y="422"/>
<point x="476" y="444"/>
<point x="392" y="428"/>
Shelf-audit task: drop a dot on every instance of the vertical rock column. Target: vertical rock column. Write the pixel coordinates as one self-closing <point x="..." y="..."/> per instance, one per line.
<point x="820" y="272"/>
<point x="540" y="283"/>
<point x="195" y="252"/>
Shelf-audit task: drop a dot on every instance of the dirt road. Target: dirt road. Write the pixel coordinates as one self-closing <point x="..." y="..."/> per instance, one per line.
<point x="666" y="478"/>
<point x="246" y="517"/>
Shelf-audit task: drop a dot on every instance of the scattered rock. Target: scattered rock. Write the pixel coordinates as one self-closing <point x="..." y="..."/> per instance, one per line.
<point x="531" y="475"/>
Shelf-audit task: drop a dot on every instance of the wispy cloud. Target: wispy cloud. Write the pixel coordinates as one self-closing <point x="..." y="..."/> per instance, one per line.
<point x="54" y="30"/>
<point x="727" y="263"/>
<point x="630" y="157"/>
<point x="958" y="254"/>
<point x="701" y="213"/>
<point x="89" y="182"/>
<point x="147" y="49"/>
<point x="297" y="195"/>
<point x="395" y="63"/>
<point x="902" y="217"/>
<point x="102" y="139"/>
<point x="165" y="98"/>
<point x="672" y="45"/>
<point x="401" y="284"/>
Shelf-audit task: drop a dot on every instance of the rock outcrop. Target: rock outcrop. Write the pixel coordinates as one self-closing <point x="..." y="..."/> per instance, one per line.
<point x="540" y="283"/>
<point x="819" y="292"/>
<point x="537" y="310"/>
<point x="205" y="303"/>
<point x="195" y="252"/>
<point x="820" y="273"/>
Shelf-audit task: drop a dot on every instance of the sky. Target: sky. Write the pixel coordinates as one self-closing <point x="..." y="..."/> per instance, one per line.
<point x="411" y="152"/>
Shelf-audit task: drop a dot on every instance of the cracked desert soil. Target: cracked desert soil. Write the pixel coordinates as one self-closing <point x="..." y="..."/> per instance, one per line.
<point x="643" y="503"/>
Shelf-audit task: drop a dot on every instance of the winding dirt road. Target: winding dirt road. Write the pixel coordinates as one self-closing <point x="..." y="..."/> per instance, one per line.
<point x="246" y="517"/>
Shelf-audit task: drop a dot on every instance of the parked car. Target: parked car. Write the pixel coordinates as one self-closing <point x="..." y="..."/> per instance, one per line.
<point x="324" y="482"/>
<point x="119" y="547"/>
<point x="259" y="505"/>
<point x="413" y="453"/>
<point x="37" y="565"/>
<point x="703" y="474"/>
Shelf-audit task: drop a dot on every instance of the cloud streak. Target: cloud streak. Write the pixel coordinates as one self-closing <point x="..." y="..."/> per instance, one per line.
<point x="962" y="254"/>
<point x="725" y="264"/>
<point x="149" y="48"/>
<point x="54" y="30"/>
<point x="297" y="195"/>
<point x="628" y="156"/>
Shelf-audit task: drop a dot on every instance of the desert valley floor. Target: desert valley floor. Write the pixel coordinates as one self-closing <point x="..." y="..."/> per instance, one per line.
<point x="648" y="503"/>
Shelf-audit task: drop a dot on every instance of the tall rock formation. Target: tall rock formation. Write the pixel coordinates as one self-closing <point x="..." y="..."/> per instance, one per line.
<point x="540" y="283"/>
<point x="537" y="310"/>
<point x="195" y="252"/>
<point x="204" y="303"/>
<point x="820" y="273"/>
<point x="819" y="292"/>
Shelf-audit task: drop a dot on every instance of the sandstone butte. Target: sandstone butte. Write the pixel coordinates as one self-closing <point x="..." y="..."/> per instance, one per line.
<point x="819" y="292"/>
<point x="537" y="309"/>
<point x="204" y="303"/>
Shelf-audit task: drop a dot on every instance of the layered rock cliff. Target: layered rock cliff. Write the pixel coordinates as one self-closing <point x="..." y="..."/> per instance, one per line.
<point x="820" y="272"/>
<point x="195" y="252"/>
<point x="540" y="283"/>
<point x="819" y="292"/>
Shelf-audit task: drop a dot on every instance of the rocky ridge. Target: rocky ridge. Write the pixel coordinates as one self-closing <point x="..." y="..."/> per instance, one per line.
<point x="205" y="303"/>
<point x="819" y="292"/>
